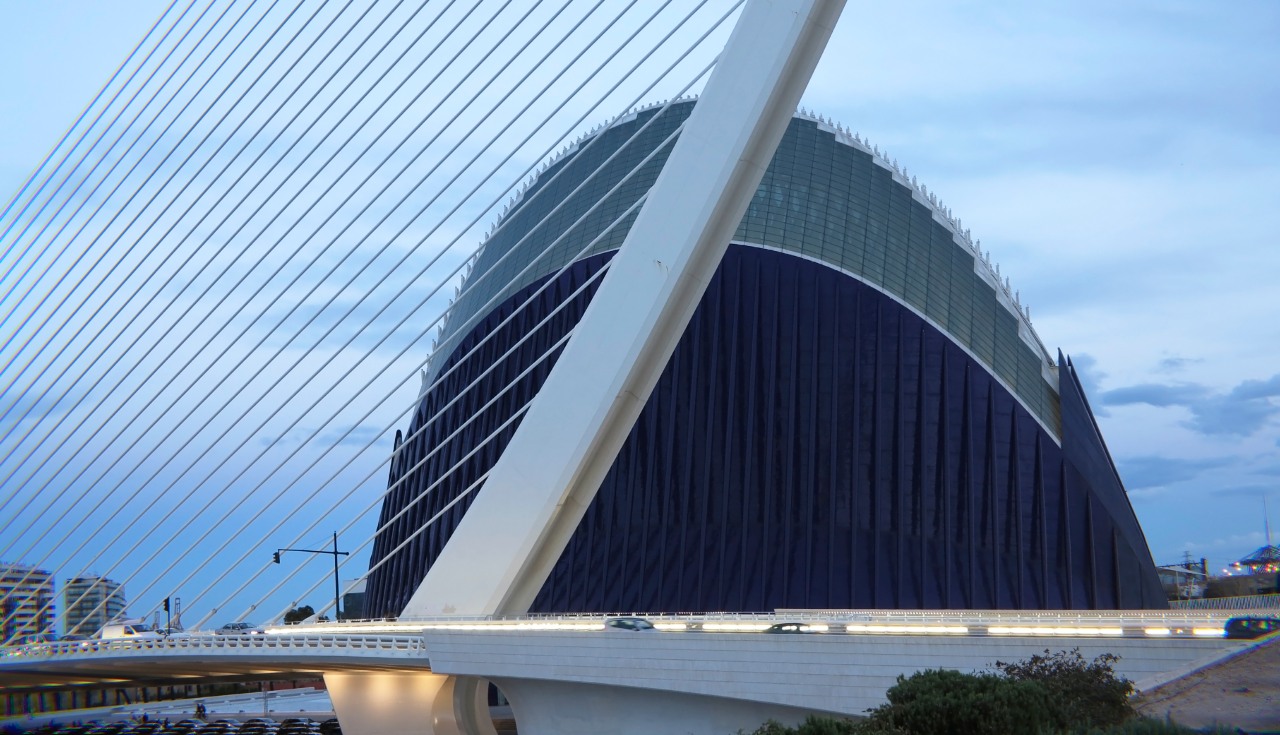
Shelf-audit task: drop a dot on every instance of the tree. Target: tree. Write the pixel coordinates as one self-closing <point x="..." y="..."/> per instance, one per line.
<point x="299" y="614"/>
<point x="812" y="725"/>
<point x="941" y="701"/>
<point x="1086" y="694"/>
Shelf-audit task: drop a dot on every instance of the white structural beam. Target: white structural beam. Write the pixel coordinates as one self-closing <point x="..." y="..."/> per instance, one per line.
<point x="505" y="547"/>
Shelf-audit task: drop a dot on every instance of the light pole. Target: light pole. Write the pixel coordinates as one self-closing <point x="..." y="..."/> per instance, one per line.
<point x="337" y="608"/>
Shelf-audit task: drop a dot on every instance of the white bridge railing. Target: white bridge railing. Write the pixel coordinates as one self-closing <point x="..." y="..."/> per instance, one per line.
<point x="355" y="645"/>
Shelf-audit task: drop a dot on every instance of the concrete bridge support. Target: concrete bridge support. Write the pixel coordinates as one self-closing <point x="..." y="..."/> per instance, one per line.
<point x="409" y="703"/>
<point x="569" y="708"/>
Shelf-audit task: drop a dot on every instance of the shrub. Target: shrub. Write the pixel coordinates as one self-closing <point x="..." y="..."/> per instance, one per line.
<point x="1149" y="726"/>
<point x="1085" y="694"/>
<point x="812" y="725"/>
<point x="939" y="701"/>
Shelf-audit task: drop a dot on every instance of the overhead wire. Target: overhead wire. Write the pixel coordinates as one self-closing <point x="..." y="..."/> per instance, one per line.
<point x="85" y="250"/>
<point x="366" y="386"/>
<point x="140" y="486"/>
<point x="473" y="68"/>
<point x="71" y="483"/>
<point x="531" y="264"/>
<point x="517" y="310"/>
<point x="7" y="211"/>
<point x="24" y="345"/>
<point x="17" y="217"/>
<point x="232" y="237"/>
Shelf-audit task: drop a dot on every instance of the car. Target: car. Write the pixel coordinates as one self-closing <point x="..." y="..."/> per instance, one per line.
<point x="127" y="630"/>
<point x="240" y="628"/>
<point x="1251" y="626"/>
<point x="789" y="628"/>
<point x="628" y="624"/>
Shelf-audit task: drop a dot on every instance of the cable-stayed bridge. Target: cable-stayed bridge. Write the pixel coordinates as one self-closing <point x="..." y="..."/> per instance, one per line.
<point x="216" y="285"/>
<point x="221" y="288"/>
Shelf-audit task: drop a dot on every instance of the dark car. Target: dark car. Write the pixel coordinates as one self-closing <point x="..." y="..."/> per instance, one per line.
<point x="631" y="624"/>
<point x="790" y="628"/>
<point x="1251" y="626"/>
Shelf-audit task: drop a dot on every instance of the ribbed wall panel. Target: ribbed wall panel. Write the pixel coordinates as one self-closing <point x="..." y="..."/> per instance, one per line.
<point x="811" y="444"/>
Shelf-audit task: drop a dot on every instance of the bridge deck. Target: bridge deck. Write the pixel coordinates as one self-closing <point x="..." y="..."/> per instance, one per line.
<point x="289" y="651"/>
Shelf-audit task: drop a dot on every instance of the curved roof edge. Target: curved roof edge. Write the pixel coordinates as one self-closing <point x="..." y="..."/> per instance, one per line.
<point x="1006" y="295"/>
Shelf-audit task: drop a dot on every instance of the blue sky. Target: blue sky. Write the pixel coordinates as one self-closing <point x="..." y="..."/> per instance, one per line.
<point x="1119" y="160"/>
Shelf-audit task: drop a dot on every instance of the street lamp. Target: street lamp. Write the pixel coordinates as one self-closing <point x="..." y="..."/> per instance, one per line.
<point x="337" y="608"/>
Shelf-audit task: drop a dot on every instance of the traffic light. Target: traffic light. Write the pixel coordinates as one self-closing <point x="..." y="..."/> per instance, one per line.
<point x="166" y="604"/>
<point x="276" y="556"/>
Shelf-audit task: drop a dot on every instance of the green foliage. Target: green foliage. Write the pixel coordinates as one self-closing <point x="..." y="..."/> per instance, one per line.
<point x="812" y="725"/>
<point x="826" y="726"/>
<point x="1085" y="694"/>
<point x="771" y="727"/>
<point x="1148" y="726"/>
<point x="940" y="701"/>
<point x="299" y="614"/>
<point x="1053" y="693"/>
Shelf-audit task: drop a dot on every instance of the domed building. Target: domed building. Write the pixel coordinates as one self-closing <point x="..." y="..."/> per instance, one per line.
<point x="859" y="414"/>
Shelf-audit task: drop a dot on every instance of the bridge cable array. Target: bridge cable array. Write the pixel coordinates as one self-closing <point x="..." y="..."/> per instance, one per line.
<point x="42" y="463"/>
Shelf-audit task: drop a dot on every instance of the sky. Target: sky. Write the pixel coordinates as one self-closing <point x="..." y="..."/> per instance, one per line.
<point x="1119" y="160"/>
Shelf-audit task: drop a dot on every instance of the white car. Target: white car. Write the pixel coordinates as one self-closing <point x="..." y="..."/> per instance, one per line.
<point x="127" y="630"/>
<point x="239" y="629"/>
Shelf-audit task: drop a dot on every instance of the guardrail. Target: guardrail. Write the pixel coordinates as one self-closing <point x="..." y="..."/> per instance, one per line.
<point x="1242" y="603"/>
<point x="328" y="642"/>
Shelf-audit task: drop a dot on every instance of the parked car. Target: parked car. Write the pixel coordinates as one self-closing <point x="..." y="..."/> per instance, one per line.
<point x="1251" y="626"/>
<point x="628" y="624"/>
<point x="241" y="628"/>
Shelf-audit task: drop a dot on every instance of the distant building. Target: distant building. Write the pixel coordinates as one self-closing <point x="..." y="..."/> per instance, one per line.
<point x="1188" y="580"/>
<point x="26" y="602"/>
<point x="90" y="602"/>
<point x="353" y="601"/>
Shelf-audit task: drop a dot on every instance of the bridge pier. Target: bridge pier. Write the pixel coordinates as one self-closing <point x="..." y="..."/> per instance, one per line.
<point x="381" y="702"/>
<point x="544" y="707"/>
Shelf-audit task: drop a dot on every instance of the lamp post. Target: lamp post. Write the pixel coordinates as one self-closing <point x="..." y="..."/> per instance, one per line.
<point x="337" y="608"/>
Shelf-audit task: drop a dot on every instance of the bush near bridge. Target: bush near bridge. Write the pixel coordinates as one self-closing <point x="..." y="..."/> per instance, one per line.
<point x="298" y="614"/>
<point x="1051" y="694"/>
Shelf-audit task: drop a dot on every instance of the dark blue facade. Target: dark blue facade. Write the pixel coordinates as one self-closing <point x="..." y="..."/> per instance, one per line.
<point x="834" y="429"/>
<point x="812" y="444"/>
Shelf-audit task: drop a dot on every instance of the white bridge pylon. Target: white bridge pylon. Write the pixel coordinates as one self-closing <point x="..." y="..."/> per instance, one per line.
<point x="502" y="551"/>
